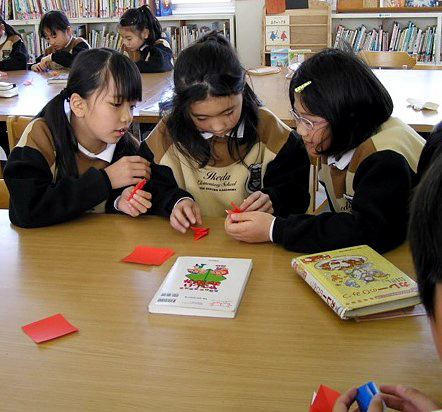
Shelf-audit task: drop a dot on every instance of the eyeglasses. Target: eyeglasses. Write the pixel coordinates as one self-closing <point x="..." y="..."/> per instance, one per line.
<point x="308" y="124"/>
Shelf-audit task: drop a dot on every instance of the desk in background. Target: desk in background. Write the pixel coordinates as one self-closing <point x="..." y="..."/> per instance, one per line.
<point x="401" y="84"/>
<point x="283" y="343"/>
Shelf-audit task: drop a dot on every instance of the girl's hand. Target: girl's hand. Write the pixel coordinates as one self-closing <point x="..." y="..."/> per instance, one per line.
<point x="140" y="202"/>
<point x="185" y="213"/>
<point x="37" y="67"/>
<point x="405" y="399"/>
<point x="344" y="402"/>
<point x="127" y="171"/>
<point x="251" y="227"/>
<point x="257" y="201"/>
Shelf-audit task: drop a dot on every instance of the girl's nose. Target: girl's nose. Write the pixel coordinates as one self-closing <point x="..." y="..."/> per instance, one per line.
<point x="217" y="126"/>
<point x="126" y="114"/>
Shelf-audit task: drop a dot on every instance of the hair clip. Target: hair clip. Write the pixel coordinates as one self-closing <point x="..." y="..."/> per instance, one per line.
<point x="300" y="88"/>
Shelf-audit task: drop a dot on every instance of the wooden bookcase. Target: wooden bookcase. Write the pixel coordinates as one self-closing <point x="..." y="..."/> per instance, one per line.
<point x="309" y="29"/>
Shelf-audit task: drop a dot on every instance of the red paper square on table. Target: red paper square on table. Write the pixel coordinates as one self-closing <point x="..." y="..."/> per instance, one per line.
<point x="149" y="255"/>
<point x="48" y="328"/>
<point x="324" y="400"/>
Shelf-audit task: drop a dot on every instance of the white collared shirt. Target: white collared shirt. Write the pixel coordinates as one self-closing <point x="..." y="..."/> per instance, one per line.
<point x="239" y="135"/>
<point x="107" y="154"/>
<point x="343" y="161"/>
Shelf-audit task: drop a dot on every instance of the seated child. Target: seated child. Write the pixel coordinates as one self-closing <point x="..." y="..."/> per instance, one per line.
<point x="368" y="161"/>
<point x="218" y="144"/>
<point x="13" y="53"/>
<point x="63" y="47"/>
<point x="143" y="42"/>
<point x="77" y="154"/>
<point x="425" y="234"/>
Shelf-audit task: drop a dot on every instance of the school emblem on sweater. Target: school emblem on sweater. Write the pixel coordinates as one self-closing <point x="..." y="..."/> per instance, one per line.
<point x="253" y="182"/>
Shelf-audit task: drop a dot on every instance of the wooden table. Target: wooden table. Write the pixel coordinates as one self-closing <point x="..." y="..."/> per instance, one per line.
<point x="401" y="84"/>
<point x="32" y="97"/>
<point x="282" y="345"/>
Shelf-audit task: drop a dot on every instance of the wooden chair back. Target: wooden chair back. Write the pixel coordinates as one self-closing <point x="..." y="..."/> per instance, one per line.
<point x="387" y="59"/>
<point x="4" y="195"/>
<point x="15" y="125"/>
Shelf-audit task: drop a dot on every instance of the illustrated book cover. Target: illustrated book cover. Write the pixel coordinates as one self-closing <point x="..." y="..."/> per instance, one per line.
<point x="59" y="79"/>
<point x="357" y="281"/>
<point x="202" y="286"/>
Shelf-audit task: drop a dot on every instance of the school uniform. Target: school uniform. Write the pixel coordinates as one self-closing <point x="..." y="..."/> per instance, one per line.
<point x="64" y="57"/>
<point x="277" y="164"/>
<point x="13" y="53"/>
<point x="155" y="58"/>
<point x="38" y="198"/>
<point x="368" y="190"/>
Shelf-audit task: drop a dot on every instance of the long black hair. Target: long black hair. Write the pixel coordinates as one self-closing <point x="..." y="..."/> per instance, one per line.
<point x="92" y="70"/>
<point x="210" y="68"/>
<point x="142" y="18"/>
<point x="53" y="20"/>
<point x="345" y="92"/>
<point x="9" y="30"/>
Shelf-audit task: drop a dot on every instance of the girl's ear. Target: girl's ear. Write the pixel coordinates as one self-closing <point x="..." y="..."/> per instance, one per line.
<point x="145" y="34"/>
<point x="77" y="104"/>
<point x="69" y="30"/>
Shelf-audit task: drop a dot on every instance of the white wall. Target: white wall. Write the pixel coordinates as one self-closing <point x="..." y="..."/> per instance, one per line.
<point x="249" y="31"/>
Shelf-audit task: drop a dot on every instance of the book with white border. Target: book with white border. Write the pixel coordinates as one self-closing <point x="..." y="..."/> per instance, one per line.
<point x="203" y="286"/>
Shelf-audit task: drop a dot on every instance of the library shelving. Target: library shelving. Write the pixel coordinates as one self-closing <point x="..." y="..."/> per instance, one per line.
<point x="428" y="24"/>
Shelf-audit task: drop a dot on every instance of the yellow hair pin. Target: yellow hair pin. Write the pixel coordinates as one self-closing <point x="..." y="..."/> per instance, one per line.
<point x="300" y="88"/>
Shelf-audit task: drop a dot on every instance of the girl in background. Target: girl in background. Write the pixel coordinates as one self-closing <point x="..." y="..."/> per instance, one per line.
<point x="13" y="53"/>
<point x="77" y="158"/>
<point x="219" y="145"/>
<point x="368" y="161"/>
<point x="143" y="42"/>
<point x="63" y="46"/>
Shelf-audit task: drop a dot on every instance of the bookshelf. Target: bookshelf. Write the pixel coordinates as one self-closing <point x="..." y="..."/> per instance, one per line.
<point x="373" y="20"/>
<point x="97" y="26"/>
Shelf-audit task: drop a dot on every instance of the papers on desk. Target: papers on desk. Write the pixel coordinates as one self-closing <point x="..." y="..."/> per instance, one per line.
<point x="8" y="89"/>
<point x="148" y="255"/>
<point x="202" y="286"/>
<point x="48" y="328"/>
<point x="164" y="103"/>
<point x="60" y="79"/>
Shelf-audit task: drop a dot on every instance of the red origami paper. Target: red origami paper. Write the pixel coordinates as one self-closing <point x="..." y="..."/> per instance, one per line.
<point x="324" y="400"/>
<point x="48" y="328"/>
<point x="148" y="255"/>
<point x="199" y="232"/>
<point x="235" y="209"/>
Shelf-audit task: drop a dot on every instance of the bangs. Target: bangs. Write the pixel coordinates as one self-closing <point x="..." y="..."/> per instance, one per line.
<point x="127" y="79"/>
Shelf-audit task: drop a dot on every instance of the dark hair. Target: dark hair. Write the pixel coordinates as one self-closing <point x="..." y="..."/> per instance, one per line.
<point x="91" y="71"/>
<point x="9" y="30"/>
<point x="346" y="93"/>
<point x="140" y="19"/>
<point x="425" y="233"/>
<point x="210" y="68"/>
<point x="53" y="20"/>
<point x="432" y="148"/>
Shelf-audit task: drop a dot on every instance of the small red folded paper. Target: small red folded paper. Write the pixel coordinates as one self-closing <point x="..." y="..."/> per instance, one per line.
<point x="149" y="255"/>
<point x="235" y="209"/>
<point x="48" y="328"/>
<point x="139" y="186"/>
<point x="324" y="400"/>
<point x="199" y="232"/>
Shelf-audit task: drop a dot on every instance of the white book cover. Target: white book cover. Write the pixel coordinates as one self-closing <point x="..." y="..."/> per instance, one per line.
<point x="202" y="286"/>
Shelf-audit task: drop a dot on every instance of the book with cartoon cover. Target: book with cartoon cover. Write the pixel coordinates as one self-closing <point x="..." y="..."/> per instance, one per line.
<point x="357" y="281"/>
<point x="202" y="286"/>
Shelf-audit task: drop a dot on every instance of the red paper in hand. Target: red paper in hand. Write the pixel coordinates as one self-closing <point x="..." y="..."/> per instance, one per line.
<point x="199" y="232"/>
<point x="235" y="209"/>
<point x="324" y="400"/>
<point x="139" y="186"/>
<point x="148" y="255"/>
<point x="48" y="328"/>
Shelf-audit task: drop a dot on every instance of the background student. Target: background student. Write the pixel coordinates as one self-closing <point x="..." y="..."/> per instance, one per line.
<point x="63" y="46"/>
<point x="425" y="234"/>
<point x="67" y="163"/>
<point x="368" y="161"/>
<point x="218" y="144"/>
<point x="143" y="42"/>
<point x="13" y="53"/>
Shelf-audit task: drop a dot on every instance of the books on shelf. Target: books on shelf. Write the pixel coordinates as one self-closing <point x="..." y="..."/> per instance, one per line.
<point x="202" y="286"/>
<point x="417" y="42"/>
<point x="357" y="281"/>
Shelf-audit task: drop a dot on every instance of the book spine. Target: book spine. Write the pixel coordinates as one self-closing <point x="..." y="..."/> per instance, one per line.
<point x="325" y="295"/>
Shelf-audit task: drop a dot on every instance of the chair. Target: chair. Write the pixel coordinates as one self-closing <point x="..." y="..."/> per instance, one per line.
<point x="387" y="59"/>
<point x="15" y="125"/>
<point x="4" y="195"/>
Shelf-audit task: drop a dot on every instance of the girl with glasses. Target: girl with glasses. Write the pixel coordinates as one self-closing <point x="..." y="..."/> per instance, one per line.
<point x="367" y="161"/>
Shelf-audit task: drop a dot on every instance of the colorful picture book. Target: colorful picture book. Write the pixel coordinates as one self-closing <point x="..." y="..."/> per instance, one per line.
<point x="357" y="281"/>
<point x="203" y="286"/>
<point x="277" y="31"/>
